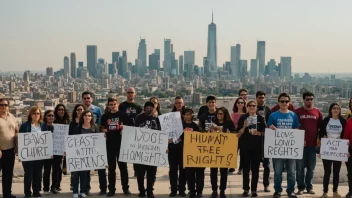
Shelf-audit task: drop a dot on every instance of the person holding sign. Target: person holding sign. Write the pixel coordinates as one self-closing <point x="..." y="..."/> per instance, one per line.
<point x="222" y="123"/>
<point x="8" y="132"/>
<point x="79" y="178"/>
<point x="332" y="127"/>
<point x="284" y="119"/>
<point x="195" y="176"/>
<point x="177" y="173"/>
<point x="147" y="119"/>
<point x="111" y="124"/>
<point x="48" y="120"/>
<point x="206" y="120"/>
<point x="33" y="169"/>
<point x="251" y="128"/>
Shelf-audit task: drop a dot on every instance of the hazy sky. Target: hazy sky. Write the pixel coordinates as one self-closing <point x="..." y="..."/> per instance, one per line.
<point x="39" y="33"/>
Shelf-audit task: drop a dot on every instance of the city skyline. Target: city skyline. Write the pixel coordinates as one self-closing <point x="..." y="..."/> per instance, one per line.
<point x="317" y="38"/>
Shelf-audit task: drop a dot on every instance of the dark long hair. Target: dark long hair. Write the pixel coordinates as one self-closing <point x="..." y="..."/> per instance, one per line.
<point x="74" y="112"/>
<point x="45" y="114"/>
<point x="81" y="119"/>
<point x="332" y="106"/>
<point x="65" y="118"/>
<point x="226" y="113"/>
<point x="235" y="108"/>
<point x="349" y="104"/>
<point x="158" y="107"/>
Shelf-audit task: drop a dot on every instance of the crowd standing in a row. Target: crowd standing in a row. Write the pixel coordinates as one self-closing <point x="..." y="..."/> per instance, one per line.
<point x="249" y="120"/>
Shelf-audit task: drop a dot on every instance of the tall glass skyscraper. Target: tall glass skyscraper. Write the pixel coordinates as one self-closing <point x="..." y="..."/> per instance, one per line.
<point x="92" y="58"/>
<point x="261" y="57"/>
<point x="212" y="46"/>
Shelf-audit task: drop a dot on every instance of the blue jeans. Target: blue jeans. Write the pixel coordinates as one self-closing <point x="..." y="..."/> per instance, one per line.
<point x="290" y="165"/>
<point x="308" y="161"/>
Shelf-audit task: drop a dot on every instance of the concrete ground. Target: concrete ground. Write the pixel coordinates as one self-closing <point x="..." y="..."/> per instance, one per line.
<point x="162" y="186"/>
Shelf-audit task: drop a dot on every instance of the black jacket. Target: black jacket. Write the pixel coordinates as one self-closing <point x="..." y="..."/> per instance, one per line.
<point x="248" y="141"/>
<point x="322" y="131"/>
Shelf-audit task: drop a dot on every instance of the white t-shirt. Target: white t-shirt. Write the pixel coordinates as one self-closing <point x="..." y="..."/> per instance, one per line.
<point x="334" y="128"/>
<point x="35" y="129"/>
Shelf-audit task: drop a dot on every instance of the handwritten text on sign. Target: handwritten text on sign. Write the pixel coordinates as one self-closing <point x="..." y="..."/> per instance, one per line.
<point x="334" y="149"/>
<point x="86" y="152"/>
<point x="59" y="135"/>
<point x="284" y="143"/>
<point x="172" y="124"/>
<point x="35" y="146"/>
<point x="210" y="150"/>
<point x="144" y="146"/>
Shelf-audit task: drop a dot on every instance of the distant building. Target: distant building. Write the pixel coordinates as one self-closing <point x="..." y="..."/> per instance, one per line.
<point x="73" y="65"/>
<point x="49" y="71"/>
<point x="72" y="96"/>
<point x="212" y="46"/>
<point x="285" y="68"/>
<point x="254" y="68"/>
<point x="154" y="60"/>
<point x="235" y="59"/>
<point x="142" y="54"/>
<point x="261" y="57"/>
<point x="92" y="59"/>
<point x="122" y="69"/>
<point x="167" y="56"/>
<point x="180" y="64"/>
<point x="115" y="57"/>
<point x="66" y="67"/>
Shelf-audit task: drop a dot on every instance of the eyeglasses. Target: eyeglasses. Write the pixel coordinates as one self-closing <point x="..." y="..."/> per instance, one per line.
<point x="4" y="105"/>
<point x="309" y="99"/>
<point x="60" y="109"/>
<point x="251" y="105"/>
<point x="50" y="115"/>
<point x="87" y="98"/>
<point x="240" y="102"/>
<point x="36" y="113"/>
<point x="130" y="92"/>
<point x="79" y="109"/>
<point x="284" y="101"/>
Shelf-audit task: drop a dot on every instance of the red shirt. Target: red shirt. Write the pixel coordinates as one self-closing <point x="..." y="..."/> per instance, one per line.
<point x="310" y="121"/>
<point x="348" y="131"/>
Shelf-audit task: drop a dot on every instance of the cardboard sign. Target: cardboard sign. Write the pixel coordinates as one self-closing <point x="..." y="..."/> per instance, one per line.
<point x="35" y="146"/>
<point x="59" y="134"/>
<point x="144" y="146"/>
<point x="86" y="152"/>
<point x="214" y="150"/>
<point x="172" y="124"/>
<point x="334" y="149"/>
<point x="284" y="143"/>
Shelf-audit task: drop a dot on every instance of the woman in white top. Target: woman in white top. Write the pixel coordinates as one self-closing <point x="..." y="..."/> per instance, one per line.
<point x="332" y="127"/>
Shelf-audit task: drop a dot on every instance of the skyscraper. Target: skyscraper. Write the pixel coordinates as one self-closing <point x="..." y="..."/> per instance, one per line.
<point x="142" y="53"/>
<point x="123" y="64"/>
<point x="189" y="57"/>
<point x="205" y="66"/>
<point x="154" y="60"/>
<point x="286" y="69"/>
<point x="212" y="46"/>
<point x="180" y="64"/>
<point x="92" y="57"/>
<point x="261" y="57"/>
<point x="66" y="67"/>
<point x="254" y="68"/>
<point x="49" y="71"/>
<point x="73" y="65"/>
<point x="115" y="57"/>
<point x="167" y="56"/>
<point x="235" y="59"/>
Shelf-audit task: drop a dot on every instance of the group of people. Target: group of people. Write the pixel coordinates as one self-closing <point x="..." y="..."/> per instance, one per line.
<point x="248" y="121"/>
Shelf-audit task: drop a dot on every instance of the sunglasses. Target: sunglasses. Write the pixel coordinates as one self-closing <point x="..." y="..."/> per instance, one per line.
<point x="4" y="105"/>
<point x="35" y="113"/>
<point x="130" y="92"/>
<point x="252" y="105"/>
<point x="50" y="115"/>
<point x="79" y="110"/>
<point x="61" y="109"/>
<point x="309" y="99"/>
<point x="284" y="101"/>
<point x="240" y="102"/>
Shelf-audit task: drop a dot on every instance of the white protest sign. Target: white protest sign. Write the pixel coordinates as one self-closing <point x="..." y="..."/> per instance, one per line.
<point x="86" y="152"/>
<point x="35" y="146"/>
<point x="59" y="134"/>
<point x="334" y="149"/>
<point x="284" y="143"/>
<point x="172" y="124"/>
<point x="144" y="146"/>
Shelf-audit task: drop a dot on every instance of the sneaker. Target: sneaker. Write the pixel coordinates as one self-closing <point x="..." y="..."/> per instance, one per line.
<point x="214" y="194"/>
<point x="239" y="172"/>
<point x="172" y="194"/>
<point x="266" y="189"/>
<point x="300" y="192"/>
<point x="54" y="191"/>
<point x="46" y="192"/>
<point x="58" y="189"/>
<point x="141" y="194"/>
<point x="292" y="195"/>
<point x="310" y="191"/>
<point x="254" y="194"/>
<point x="222" y="194"/>
<point x="245" y="194"/>
<point x="276" y="195"/>
<point x="182" y="194"/>
<point x="325" y="195"/>
<point x="83" y="195"/>
<point x="102" y="193"/>
<point x="336" y="195"/>
<point x="75" y="195"/>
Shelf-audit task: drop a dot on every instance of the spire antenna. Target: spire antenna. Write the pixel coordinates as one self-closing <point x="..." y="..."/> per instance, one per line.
<point x="212" y="16"/>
